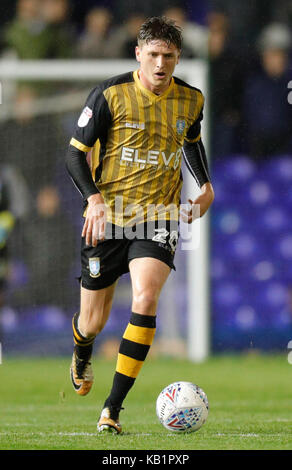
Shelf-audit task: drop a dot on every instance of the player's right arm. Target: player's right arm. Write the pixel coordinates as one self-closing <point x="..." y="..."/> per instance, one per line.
<point x="92" y="125"/>
<point x="95" y="220"/>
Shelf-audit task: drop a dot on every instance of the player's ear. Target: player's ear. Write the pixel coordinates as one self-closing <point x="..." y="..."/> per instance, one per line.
<point x="138" y="53"/>
<point x="178" y="57"/>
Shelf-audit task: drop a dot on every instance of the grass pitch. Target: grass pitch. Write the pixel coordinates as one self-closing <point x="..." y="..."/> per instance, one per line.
<point x="250" y="405"/>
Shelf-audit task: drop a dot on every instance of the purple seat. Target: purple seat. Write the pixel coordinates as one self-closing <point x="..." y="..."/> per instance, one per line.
<point x="278" y="170"/>
<point x="275" y="219"/>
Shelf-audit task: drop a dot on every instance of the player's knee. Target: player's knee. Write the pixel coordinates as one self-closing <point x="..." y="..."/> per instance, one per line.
<point x="91" y="327"/>
<point x="145" y="302"/>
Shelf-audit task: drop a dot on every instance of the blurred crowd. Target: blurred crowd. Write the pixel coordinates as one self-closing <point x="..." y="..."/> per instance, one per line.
<point x="49" y="29"/>
<point x="250" y="62"/>
<point x="247" y="44"/>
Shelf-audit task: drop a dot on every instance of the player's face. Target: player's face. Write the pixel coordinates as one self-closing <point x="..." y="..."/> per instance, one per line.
<point x="157" y="63"/>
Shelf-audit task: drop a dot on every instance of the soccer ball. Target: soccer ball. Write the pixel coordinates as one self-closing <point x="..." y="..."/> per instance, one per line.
<point x="182" y="407"/>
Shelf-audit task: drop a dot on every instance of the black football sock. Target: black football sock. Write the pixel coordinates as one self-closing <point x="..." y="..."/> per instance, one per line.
<point x="134" y="348"/>
<point x="83" y="346"/>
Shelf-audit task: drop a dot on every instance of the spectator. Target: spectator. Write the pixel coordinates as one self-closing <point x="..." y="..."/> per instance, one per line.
<point x="47" y="242"/>
<point x="7" y="220"/>
<point x="226" y="85"/>
<point x="93" y="43"/>
<point x="30" y="142"/>
<point x="267" y="113"/>
<point x="56" y="16"/>
<point x="55" y="11"/>
<point x="31" y="36"/>
<point x="125" y="8"/>
<point x="14" y="207"/>
<point x="16" y="192"/>
<point x="124" y="39"/>
<point x="246" y="20"/>
<point x="195" y="36"/>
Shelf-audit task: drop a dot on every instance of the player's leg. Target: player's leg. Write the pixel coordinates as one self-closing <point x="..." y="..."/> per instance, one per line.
<point x="101" y="267"/>
<point x="95" y="306"/>
<point x="148" y="276"/>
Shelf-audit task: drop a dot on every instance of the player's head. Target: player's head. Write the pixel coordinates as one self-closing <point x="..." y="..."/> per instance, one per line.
<point x="158" y="50"/>
<point x="161" y="29"/>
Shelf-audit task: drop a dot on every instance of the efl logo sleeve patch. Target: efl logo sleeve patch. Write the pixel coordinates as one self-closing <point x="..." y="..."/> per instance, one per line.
<point x="84" y="117"/>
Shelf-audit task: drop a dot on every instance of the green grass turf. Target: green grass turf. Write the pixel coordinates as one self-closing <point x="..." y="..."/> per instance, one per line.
<point x="250" y="405"/>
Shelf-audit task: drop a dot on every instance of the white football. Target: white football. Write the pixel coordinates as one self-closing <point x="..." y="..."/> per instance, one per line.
<point x="182" y="407"/>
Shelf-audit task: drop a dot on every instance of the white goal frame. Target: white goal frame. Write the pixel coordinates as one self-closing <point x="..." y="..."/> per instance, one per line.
<point x="194" y="72"/>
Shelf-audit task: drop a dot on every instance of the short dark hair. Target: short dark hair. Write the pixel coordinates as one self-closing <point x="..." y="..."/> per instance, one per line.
<point x="160" y="28"/>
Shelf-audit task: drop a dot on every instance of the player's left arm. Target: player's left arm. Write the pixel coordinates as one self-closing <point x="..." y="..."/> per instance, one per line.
<point x="196" y="160"/>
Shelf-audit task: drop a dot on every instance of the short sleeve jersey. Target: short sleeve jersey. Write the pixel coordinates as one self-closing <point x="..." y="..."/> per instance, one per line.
<point x="135" y="138"/>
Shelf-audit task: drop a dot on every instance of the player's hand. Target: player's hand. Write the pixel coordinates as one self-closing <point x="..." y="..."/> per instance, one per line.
<point x="95" y="221"/>
<point x="200" y="205"/>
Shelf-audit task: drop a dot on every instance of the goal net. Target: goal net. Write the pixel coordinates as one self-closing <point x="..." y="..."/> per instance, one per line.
<point x="40" y="104"/>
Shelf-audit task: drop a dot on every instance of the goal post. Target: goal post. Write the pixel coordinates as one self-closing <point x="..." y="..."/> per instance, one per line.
<point x="198" y="311"/>
<point x="195" y="73"/>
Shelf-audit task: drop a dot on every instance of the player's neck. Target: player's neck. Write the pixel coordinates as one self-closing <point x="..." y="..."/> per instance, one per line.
<point x="156" y="90"/>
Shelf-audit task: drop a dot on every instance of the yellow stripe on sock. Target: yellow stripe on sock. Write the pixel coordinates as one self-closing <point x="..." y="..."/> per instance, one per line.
<point x="128" y="366"/>
<point x="76" y="332"/>
<point x="78" y="339"/>
<point x="139" y="334"/>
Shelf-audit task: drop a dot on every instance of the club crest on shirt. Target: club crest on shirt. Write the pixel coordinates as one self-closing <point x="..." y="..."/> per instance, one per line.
<point x="84" y="117"/>
<point x="94" y="267"/>
<point x="180" y="126"/>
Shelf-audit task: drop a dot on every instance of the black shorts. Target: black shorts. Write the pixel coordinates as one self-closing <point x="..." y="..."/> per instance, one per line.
<point x="102" y="265"/>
